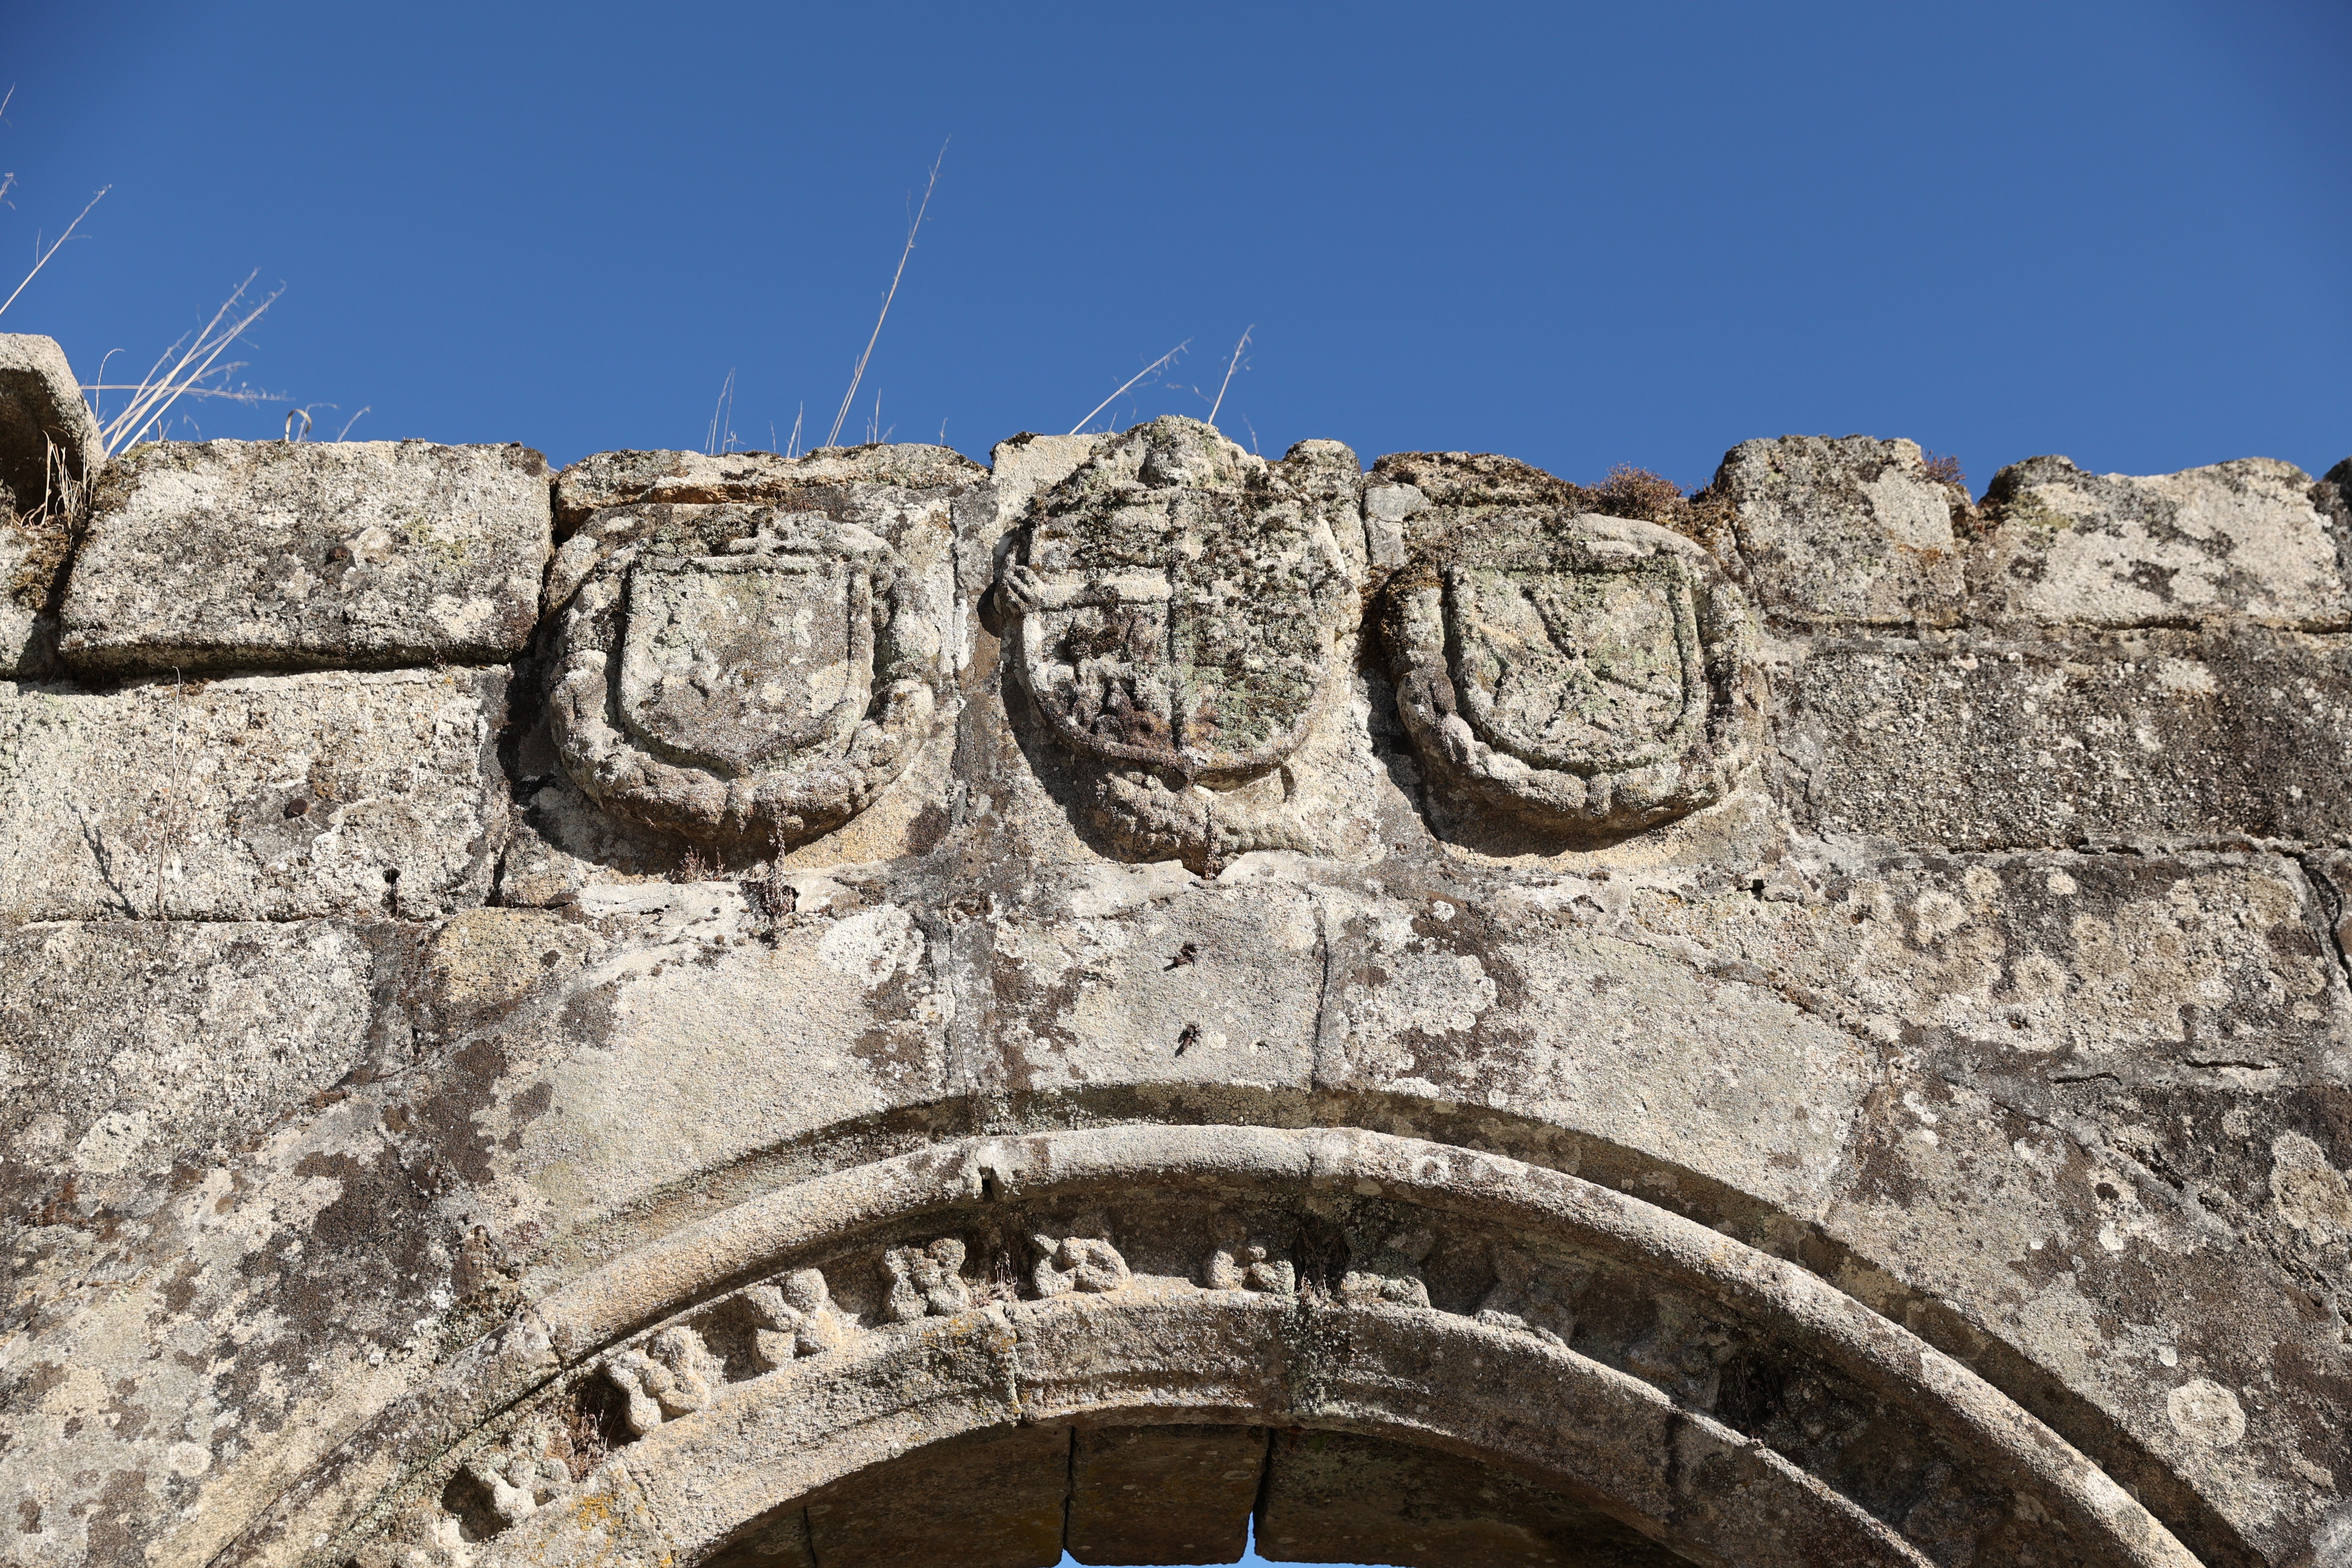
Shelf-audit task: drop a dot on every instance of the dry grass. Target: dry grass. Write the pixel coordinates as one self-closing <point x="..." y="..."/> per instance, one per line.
<point x="1164" y="358"/>
<point x="1944" y="469"/>
<point x="1231" y="366"/>
<point x="913" y="229"/>
<point x="184" y="370"/>
<point x="1638" y="493"/>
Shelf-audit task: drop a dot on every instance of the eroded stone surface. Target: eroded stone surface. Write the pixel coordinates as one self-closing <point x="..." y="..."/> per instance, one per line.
<point x="265" y="798"/>
<point x="756" y="674"/>
<point x="47" y="433"/>
<point x="1814" y="1177"/>
<point x="1590" y="673"/>
<point x="266" y="555"/>
<point x="1181" y="611"/>
<point x="2245" y="538"/>
<point x="1846" y="530"/>
<point x="2191" y="738"/>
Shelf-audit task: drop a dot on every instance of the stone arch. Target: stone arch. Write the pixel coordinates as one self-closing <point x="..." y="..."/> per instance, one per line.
<point x="1701" y="1392"/>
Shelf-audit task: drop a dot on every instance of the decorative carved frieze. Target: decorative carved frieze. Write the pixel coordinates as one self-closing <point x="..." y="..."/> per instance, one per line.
<point x="926" y="1281"/>
<point x="796" y="1317"/>
<point x="672" y="1375"/>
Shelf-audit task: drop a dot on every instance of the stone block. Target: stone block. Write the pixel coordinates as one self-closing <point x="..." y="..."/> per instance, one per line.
<point x="2246" y="538"/>
<point x="993" y="1499"/>
<point x="2211" y="738"/>
<point x="1335" y="1496"/>
<point x="1517" y="1005"/>
<point x="629" y="478"/>
<point x="1145" y="976"/>
<point x="41" y="410"/>
<point x="184" y="1038"/>
<point x="266" y="798"/>
<point x="1849" y="531"/>
<point x="1163" y="1494"/>
<point x="264" y="555"/>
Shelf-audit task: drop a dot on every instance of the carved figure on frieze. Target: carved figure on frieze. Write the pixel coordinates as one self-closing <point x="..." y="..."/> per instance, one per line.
<point x="1391" y="1272"/>
<point x="520" y="1479"/>
<point x="926" y="1281"/>
<point x="740" y="674"/>
<point x="673" y="1376"/>
<point x="1587" y="674"/>
<point x="795" y="1317"/>
<point x="1076" y="1256"/>
<point x="1530" y="1295"/>
<point x="1176" y="611"/>
<point x="1241" y="1261"/>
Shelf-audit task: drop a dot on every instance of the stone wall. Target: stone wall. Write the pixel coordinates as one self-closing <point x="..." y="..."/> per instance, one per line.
<point x="864" y="1007"/>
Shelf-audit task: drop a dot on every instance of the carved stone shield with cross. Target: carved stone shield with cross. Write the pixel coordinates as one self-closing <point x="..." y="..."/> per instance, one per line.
<point x="1182" y="604"/>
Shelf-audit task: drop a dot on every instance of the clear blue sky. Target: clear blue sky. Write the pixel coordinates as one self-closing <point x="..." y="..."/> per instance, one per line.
<point x="1580" y="233"/>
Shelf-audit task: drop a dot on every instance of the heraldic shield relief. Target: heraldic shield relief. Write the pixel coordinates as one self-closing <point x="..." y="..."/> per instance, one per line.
<point x="1593" y="674"/>
<point x="1180" y="606"/>
<point x="743" y="673"/>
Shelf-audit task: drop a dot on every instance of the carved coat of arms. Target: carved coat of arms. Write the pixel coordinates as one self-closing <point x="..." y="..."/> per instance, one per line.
<point x="1593" y="674"/>
<point x="1175" y="610"/>
<point x="741" y="673"/>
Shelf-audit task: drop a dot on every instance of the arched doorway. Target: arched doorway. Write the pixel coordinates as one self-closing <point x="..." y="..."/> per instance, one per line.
<point x="1380" y="1349"/>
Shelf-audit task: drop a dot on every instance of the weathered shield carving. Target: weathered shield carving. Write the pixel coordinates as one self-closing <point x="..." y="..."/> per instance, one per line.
<point x="1591" y="672"/>
<point x="1180" y="605"/>
<point x="741" y="672"/>
<point x="1579" y="670"/>
<point x="737" y="663"/>
<point x="1207" y="656"/>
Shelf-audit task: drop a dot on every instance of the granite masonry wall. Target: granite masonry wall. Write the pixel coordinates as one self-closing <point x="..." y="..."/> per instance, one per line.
<point x="869" y="1008"/>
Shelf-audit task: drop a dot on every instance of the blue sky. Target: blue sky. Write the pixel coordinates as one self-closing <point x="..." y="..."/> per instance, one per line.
<point x="1578" y="234"/>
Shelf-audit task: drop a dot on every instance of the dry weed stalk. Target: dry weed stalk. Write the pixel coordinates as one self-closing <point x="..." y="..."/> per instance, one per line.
<point x="723" y="419"/>
<point x="1131" y="381"/>
<point x="914" y="229"/>
<point x="1231" y="366"/>
<point x="182" y="371"/>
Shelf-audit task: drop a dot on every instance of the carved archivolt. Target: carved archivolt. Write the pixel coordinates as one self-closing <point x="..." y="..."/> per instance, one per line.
<point x="1727" y="1402"/>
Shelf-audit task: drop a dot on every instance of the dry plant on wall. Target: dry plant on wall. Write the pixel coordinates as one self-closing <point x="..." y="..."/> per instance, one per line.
<point x="185" y="369"/>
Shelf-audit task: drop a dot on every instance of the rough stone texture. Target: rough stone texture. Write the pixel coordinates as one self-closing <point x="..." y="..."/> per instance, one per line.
<point x="32" y="551"/>
<point x="265" y="798"/>
<point x="41" y="412"/>
<point x="627" y="479"/>
<point x="1931" y="1149"/>
<point x="1843" y="531"/>
<point x="2223" y="736"/>
<point x="1592" y="674"/>
<point x="265" y="555"/>
<point x="2242" y="539"/>
<point x="755" y="675"/>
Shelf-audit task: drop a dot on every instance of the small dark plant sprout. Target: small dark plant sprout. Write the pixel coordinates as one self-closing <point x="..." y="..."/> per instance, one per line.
<point x="1944" y="469"/>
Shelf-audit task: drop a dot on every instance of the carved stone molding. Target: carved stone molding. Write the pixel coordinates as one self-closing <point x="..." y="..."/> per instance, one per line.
<point x="740" y="673"/>
<point x="1589" y="674"/>
<point x="1727" y="1404"/>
